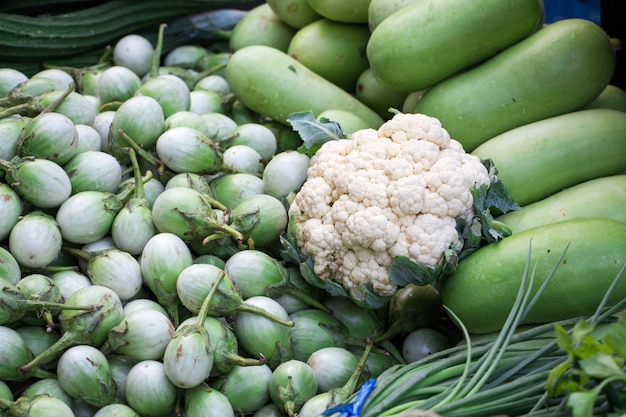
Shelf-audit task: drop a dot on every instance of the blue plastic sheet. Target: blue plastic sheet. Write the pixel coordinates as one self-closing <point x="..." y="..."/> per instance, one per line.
<point x="353" y="409"/>
<point x="565" y="9"/>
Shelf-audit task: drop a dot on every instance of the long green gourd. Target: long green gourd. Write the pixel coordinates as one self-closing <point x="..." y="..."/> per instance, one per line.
<point x="28" y="38"/>
<point x="539" y="159"/>
<point x="275" y="85"/>
<point x="556" y="70"/>
<point x="482" y="289"/>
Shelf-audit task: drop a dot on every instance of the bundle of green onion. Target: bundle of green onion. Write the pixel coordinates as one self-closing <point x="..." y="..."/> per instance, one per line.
<point x="572" y="367"/>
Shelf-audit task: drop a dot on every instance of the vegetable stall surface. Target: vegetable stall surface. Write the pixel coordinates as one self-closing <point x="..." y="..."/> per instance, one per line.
<point x="156" y="254"/>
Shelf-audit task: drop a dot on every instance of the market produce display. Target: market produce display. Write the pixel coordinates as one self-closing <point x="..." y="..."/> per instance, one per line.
<point x="309" y="208"/>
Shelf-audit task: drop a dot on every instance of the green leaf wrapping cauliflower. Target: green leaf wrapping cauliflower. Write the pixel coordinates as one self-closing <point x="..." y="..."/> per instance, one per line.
<point x="394" y="193"/>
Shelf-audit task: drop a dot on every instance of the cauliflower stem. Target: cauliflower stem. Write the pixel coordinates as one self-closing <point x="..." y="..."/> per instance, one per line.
<point x="388" y="207"/>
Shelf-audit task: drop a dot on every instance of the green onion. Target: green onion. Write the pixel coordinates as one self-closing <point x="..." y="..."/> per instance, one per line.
<point x="506" y="375"/>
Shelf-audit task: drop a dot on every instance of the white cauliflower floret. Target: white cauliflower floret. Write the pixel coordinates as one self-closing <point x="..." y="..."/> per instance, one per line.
<point x="395" y="191"/>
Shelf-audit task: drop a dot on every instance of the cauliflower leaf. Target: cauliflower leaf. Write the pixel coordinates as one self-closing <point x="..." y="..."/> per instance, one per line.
<point x="314" y="133"/>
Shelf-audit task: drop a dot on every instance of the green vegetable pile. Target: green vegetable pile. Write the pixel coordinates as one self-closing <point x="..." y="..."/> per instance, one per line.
<point x="283" y="208"/>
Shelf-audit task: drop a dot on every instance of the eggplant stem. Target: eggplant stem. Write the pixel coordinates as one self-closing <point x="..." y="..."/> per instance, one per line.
<point x="204" y="309"/>
<point x="53" y="106"/>
<point x="138" y="149"/>
<point x="253" y="309"/>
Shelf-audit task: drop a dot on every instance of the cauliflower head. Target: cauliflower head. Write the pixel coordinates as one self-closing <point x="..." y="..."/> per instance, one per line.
<point x="381" y="194"/>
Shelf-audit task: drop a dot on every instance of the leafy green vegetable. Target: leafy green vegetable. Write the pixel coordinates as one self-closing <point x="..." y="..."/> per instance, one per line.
<point x="594" y="365"/>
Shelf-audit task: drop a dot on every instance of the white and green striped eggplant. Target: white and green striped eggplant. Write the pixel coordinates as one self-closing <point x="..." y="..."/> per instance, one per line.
<point x="36" y="86"/>
<point x="92" y="325"/>
<point x="259" y="137"/>
<point x="269" y="410"/>
<point x="117" y="84"/>
<point x="50" y="136"/>
<point x="48" y="386"/>
<point x="11" y="208"/>
<point x="10" y="269"/>
<point x="254" y="271"/>
<point x="120" y="367"/>
<point x="220" y="125"/>
<point x="185" y="56"/>
<point x="38" y="406"/>
<point x="315" y="329"/>
<point x="35" y="240"/>
<point x="94" y="171"/>
<point x="9" y="79"/>
<point x="224" y="346"/>
<point x="169" y="91"/>
<point x="87" y="80"/>
<point x="187" y="180"/>
<point x="204" y="101"/>
<point x="141" y="118"/>
<point x="69" y="280"/>
<point x="10" y="130"/>
<point x="149" y="391"/>
<point x="141" y="335"/>
<point x="188" y="359"/>
<point x="39" y="181"/>
<point x="260" y="217"/>
<point x="85" y="374"/>
<point x="292" y="383"/>
<point x="260" y="336"/>
<point x="134" y="52"/>
<point x="246" y="387"/>
<point x="6" y="393"/>
<point x="203" y="401"/>
<point x="190" y="119"/>
<point x="102" y="125"/>
<point x="39" y="287"/>
<point x="333" y="366"/>
<point x="187" y="213"/>
<point x="196" y="282"/>
<point x="285" y="173"/>
<point x="152" y="189"/>
<point x="87" y="316"/>
<point x="88" y="138"/>
<point x="231" y="188"/>
<point x="213" y="82"/>
<point x="14" y="352"/>
<point x="87" y="216"/>
<point x="243" y="158"/>
<point x="75" y="106"/>
<point x="61" y="78"/>
<point x="184" y="149"/>
<point x="133" y="226"/>
<point x="163" y="258"/>
<point x="116" y="410"/>
<point x="116" y="269"/>
<point x="143" y="304"/>
<point x="38" y="338"/>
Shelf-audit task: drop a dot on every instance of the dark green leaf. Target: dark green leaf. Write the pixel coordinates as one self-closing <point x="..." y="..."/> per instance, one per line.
<point x="602" y="366"/>
<point x="582" y="328"/>
<point x="582" y="403"/>
<point x="364" y="296"/>
<point x="314" y="133"/>
<point x="615" y="337"/>
<point x="403" y="271"/>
